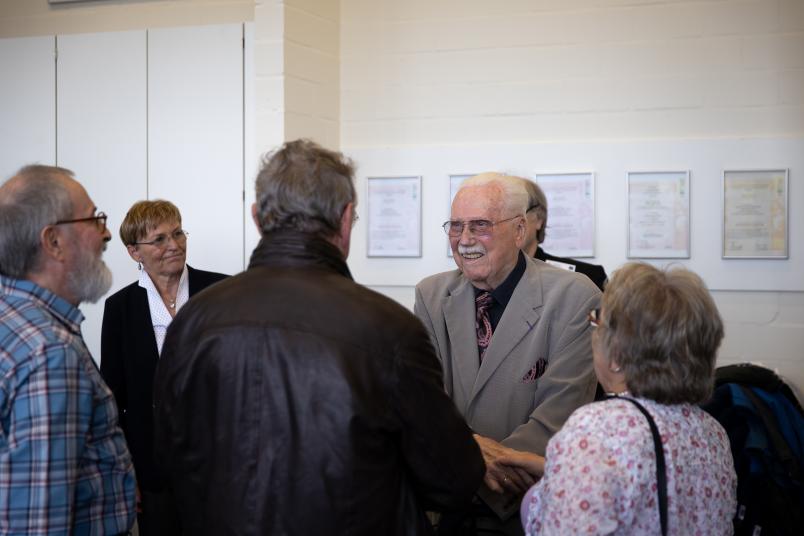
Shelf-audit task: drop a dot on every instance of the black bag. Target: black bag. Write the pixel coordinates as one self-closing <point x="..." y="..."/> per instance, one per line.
<point x="765" y="425"/>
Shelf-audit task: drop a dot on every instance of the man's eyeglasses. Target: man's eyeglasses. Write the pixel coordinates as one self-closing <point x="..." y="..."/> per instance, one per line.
<point x="455" y="228"/>
<point x="99" y="219"/>
<point x="594" y="317"/>
<point x="534" y="206"/>
<point x="179" y="236"/>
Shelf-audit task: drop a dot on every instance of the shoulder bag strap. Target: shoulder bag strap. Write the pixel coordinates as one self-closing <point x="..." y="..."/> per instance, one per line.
<point x="661" y="473"/>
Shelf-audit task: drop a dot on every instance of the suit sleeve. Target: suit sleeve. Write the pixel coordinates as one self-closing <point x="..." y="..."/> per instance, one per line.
<point x="420" y="310"/>
<point x="444" y="460"/>
<point x="567" y="383"/>
<point x="112" y="363"/>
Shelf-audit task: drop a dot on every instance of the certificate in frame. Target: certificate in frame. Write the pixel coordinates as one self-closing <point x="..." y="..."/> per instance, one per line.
<point x="394" y="216"/>
<point x="755" y="220"/>
<point x="571" y="213"/>
<point x="455" y="182"/>
<point x="658" y="214"/>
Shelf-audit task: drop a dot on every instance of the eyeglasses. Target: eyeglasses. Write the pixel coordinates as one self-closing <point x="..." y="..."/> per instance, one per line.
<point x="534" y="206"/>
<point x="99" y="219"/>
<point x="594" y="317"/>
<point x="179" y="236"/>
<point x="454" y="228"/>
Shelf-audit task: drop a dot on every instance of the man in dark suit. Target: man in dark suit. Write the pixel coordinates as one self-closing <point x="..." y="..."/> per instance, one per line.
<point x="537" y="219"/>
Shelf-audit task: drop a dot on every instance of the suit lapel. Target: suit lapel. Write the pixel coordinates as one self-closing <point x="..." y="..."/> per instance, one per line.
<point x="520" y="316"/>
<point x="194" y="283"/>
<point x="459" y="313"/>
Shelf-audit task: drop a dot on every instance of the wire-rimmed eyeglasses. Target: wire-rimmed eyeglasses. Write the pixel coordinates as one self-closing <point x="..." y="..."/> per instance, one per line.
<point x="179" y="236"/>
<point x="455" y="228"/>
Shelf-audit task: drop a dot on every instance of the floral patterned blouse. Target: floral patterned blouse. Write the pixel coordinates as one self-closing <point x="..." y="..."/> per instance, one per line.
<point x="600" y="474"/>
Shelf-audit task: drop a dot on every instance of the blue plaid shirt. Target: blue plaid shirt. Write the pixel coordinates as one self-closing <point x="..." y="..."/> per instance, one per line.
<point x="64" y="464"/>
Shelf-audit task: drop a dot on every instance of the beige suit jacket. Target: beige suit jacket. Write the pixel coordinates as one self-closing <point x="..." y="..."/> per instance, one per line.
<point x="545" y="319"/>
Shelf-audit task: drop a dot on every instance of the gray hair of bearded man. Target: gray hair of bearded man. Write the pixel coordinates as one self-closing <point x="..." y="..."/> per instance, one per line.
<point x="35" y="197"/>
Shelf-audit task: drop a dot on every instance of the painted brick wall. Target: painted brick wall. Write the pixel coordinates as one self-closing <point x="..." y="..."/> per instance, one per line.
<point x="432" y="73"/>
<point x="312" y="70"/>
<point x="457" y="71"/>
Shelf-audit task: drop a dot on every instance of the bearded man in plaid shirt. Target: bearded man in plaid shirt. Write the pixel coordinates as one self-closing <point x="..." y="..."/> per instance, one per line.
<point x="64" y="464"/>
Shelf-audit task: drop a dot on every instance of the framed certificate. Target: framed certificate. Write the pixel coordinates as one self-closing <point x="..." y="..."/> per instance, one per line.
<point x="571" y="213"/>
<point x="455" y="182"/>
<point x="394" y="216"/>
<point x="658" y="214"/>
<point x="755" y="214"/>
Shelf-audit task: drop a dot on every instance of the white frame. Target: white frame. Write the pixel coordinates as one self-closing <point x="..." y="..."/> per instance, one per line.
<point x="451" y="197"/>
<point x="659" y="253"/>
<point x="755" y="254"/>
<point x="416" y="251"/>
<point x="538" y="178"/>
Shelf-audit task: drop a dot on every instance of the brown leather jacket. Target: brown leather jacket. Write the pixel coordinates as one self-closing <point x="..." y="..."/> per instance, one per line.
<point x="291" y="400"/>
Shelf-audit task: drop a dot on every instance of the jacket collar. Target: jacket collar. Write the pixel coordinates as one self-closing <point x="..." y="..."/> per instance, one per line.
<point x="521" y="315"/>
<point x="293" y="248"/>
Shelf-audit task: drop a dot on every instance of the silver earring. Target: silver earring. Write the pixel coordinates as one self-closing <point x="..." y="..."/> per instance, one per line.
<point x="139" y="266"/>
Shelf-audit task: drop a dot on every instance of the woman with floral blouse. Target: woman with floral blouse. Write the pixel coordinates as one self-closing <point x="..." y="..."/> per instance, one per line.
<point x="655" y="340"/>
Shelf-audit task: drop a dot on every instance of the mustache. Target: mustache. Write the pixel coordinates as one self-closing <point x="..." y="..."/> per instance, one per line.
<point x="467" y="250"/>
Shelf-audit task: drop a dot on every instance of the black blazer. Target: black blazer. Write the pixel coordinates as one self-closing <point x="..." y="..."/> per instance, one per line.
<point x="595" y="272"/>
<point x="128" y="362"/>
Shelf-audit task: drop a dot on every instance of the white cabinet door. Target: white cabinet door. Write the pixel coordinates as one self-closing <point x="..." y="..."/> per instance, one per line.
<point x="195" y="137"/>
<point x="102" y="137"/>
<point x="27" y="103"/>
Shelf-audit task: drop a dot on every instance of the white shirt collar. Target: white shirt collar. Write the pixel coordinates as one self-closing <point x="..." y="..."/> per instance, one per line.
<point x="160" y="316"/>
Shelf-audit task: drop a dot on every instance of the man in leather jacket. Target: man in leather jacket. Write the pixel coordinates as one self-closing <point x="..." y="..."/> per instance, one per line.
<point x="291" y="400"/>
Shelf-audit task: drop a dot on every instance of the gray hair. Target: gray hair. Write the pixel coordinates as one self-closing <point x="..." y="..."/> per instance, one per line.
<point x="37" y="196"/>
<point x="304" y="187"/>
<point x="663" y="329"/>
<point x="514" y="195"/>
<point x="537" y="202"/>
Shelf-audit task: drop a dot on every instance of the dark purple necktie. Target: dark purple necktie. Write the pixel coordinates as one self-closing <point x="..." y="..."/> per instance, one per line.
<point x="482" y="322"/>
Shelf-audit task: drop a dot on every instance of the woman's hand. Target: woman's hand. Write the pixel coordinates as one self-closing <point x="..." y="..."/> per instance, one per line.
<point x="504" y="477"/>
<point x="533" y="464"/>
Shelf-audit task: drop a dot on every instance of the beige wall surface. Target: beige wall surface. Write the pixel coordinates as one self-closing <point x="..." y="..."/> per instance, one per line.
<point x="433" y="75"/>
<point x="37" y="17"/>
<point x="473" y="71"/>
<point x="312" y="70"/>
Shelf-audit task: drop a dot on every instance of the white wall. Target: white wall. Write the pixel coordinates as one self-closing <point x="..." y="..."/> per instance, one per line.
<point x="455" y="86"/>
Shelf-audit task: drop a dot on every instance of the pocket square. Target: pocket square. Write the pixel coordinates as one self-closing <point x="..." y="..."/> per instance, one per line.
<point x="535" y="371"/>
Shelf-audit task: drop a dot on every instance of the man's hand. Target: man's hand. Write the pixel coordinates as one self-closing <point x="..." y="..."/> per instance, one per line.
<point x="501" y="478"/>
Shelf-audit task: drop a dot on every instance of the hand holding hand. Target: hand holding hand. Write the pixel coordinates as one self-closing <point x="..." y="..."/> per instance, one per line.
<point x="500" y="477"/>
<point x="532" y="463"/>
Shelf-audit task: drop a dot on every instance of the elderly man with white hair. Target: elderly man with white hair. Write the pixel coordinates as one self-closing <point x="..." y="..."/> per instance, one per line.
<point x="512" y="336"/>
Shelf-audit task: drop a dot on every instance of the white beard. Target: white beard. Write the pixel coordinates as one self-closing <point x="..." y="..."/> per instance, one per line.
<point x="91" y="279"/>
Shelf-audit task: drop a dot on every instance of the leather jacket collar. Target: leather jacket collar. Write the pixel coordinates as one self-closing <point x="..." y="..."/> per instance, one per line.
<point x="294" y="248"/>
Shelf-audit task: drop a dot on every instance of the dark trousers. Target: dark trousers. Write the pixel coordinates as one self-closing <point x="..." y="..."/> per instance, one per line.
<point x="158" y="516"/>
<point x="478" y="520"/>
